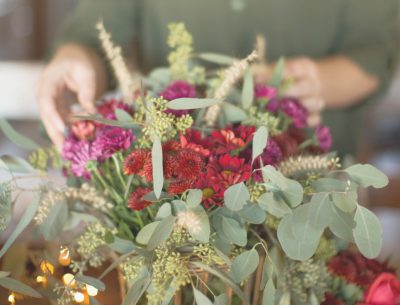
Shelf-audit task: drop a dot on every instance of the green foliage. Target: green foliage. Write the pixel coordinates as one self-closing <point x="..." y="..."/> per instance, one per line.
<point x="259" y="141"/>
<point x="252" y="213"/>
<point x="16" y="137"/>
<point x="200" y="298"/>
<point x="91" y="281"/>
<point x="341" y="224"/>
<point x="367" y="175"/>
<point x="191" y="103"/>
<point x="161" y="232"/>
<point x="269" y="293"/>
<point x="25" y="220"/>
<point x="270" y="174"/>
<point x="17" y="286"/>
<point x="54" y="223"/>
<point x="137" y="288"/>
<point x="157" y="163"/>
<point x="347" y="202"/>
<point x="221" y="299"/>
<point x="234" y="232"/>
<point x="233" y="113"/>
<point x="15" y="165"/>
<point x="194" y="197"/>
<point x="248" y="89"/>
<point x="277" y="75"/>
<point x="368" y="232"/>
<point x="219" y="59"/>
<point x="274" y="204"/>
<point x="236" y="196"/>
<point x="244" y="265"/>
<point x="146" y="232"/>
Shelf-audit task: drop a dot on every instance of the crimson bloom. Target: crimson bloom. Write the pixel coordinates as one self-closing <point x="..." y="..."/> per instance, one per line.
<point x="178" y="89"/>
<point x="107" y="108"/>
<point x="134" y="162"/>
<point x="212" y="192"/>
<point x="331" y="299"/>
<point x="136" y="201"/>
<point x="229" y="139"/>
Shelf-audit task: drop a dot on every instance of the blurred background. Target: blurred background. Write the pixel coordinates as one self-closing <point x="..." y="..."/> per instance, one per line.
<point x="27" y="30"/>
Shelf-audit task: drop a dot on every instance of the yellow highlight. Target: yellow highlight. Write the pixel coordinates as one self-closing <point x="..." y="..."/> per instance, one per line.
<point x="79" y="297"/>
<point x="92" y="291"/>
<point x="68" y="280"/>
<point x="11" y="298"/>
<point x="46" y="267"/>
<point x="64" y="257"/>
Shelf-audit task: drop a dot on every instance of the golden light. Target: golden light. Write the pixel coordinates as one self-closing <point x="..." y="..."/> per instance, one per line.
<point x="46" y="267"/>
<point x="68" y="280"/>
<point x="41" y="279"/>
<point x="11" y="298"/>
<point x="92" y="291"/>
<point x="64" y="257"/>
<point x="79" y="297"/>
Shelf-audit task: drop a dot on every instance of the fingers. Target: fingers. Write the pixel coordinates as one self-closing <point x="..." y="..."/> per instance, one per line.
<point x="82" y="81"/>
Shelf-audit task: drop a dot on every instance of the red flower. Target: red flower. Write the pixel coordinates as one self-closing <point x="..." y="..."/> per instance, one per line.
<point x="179" y="186"/>
<point x="226" y="140"/>
<point x="385" y="290"/>
<point x="356" y="269"/>
<point x="212" y="192"/>
<point x="192" y="139"/>
<point x="228" y="170"/>
<point x="136" y="202"/>
<point x="108" y="107"/>
<point x="189" y="164"/>
<point x="83" y="130"/>
<point x="331" y="299"/>
<point x="135" y="161"/>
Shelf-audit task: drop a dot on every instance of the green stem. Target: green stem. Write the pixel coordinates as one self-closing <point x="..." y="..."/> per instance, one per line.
<point x="118" y="170"/>
<point x="112" y="191"/>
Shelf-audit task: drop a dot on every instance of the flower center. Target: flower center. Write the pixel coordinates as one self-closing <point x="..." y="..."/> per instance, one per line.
<point x="208" y="192"/>
<point x="227" y="172"/>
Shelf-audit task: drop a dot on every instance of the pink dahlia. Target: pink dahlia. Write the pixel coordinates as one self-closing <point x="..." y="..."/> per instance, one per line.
<point x="110" y="140"/>
<point x="79" y="153"/>
<point x="178" y="89"/>
<point x="324" y="137"/>
<point x="262" y="91"/>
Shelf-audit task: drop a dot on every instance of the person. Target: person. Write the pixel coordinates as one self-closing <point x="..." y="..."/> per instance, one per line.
<point x="342" y="52"/>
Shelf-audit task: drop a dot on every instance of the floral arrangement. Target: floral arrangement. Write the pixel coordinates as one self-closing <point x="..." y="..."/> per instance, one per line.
<point x="196" y="190"/>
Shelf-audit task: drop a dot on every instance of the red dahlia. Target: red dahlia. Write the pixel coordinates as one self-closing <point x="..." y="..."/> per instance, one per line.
<point x="136" y="202"/>
<point x="229" y="139"/>
<point x="179" y="186"/>
<point x="189" y="164"/>
<point x="135" y="161"/>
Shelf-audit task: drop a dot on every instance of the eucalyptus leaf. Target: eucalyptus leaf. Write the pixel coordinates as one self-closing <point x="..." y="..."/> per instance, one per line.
<point x="329" y="185"/>
<point x="215" y="58"/>
<point x="347" y="202"/>
<point x="200" y="298"/>
<point x="320" y="210"/>
<point x="234" y="232"/>
<point x="233" y="113"/>
<point x="260" y="140"/>
<point x="293" y="193"/>
<point x="367" y="175"/>
<point x="187" y="103"/>
<point x="252" y="213"/>
<point x="225" y="278"/>
<point x="25" y="220"/>
<point x="248" y="89"/>
<point x="122" y="246"/>
<point x="146" y="232"/>
<point x="269" y="293"/>
<point x="270" y="174"/>
<point x="303" y="226"/>
<point x="277" y="75"/>
<point x="298" y="248"/>
<point x="123" y="116"/>
<point x="164" y="211"/>
<point x="341" y="224"/>
<point x="157" y="163"/>
<point x="285" y="298"/>
<point x="54" y="223"/>
<point x="194" y="197"/>
<point x="367" y="233"/>
<point x="179" y="206"/>
<point x="16" y="137"/>
<point x="115" y="123"/>
<point x="236" y="196"/>
<point x="162" y="232"/>
<point x="18" y="287"/>
<point x="274" y="204"/>
<point x="244" y="265"/>
<point x="96" y="283"/>
<point x="137" y="289"/>
<point x="221" y="299"/>
<point x="15" y="165"/>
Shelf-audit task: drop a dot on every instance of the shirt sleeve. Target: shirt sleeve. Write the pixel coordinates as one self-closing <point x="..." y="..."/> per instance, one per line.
<point x="119" y="17"/>
<point x="369" y="36"/>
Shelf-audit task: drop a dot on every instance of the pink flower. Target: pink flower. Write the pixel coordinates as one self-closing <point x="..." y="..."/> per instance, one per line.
<point x="110" y="140"/>
<point x="83" y="130"/>
<point x="107" y="108"/>
<point x="192" y="139"/>
<point x="79" y="153"/>
<point x="324" y="137"/>
<point x="265" y="92"/>
<point x="385" y="290"/>
<point x="292" y="108"/>
<point x="178" y="89"/>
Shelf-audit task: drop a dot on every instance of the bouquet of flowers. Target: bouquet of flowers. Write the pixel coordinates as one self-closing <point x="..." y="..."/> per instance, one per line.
<point x="197" y="184"/>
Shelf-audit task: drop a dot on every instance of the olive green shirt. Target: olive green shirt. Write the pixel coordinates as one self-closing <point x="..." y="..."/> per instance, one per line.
<point x="363" y="30"/>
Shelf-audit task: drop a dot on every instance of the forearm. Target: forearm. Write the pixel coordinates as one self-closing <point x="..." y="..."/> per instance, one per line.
<point x="343" y="82"/>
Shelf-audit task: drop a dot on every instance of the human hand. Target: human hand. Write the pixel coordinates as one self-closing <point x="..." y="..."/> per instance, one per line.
<point x="304" y="74"/>
<point x="75" y="69"/>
